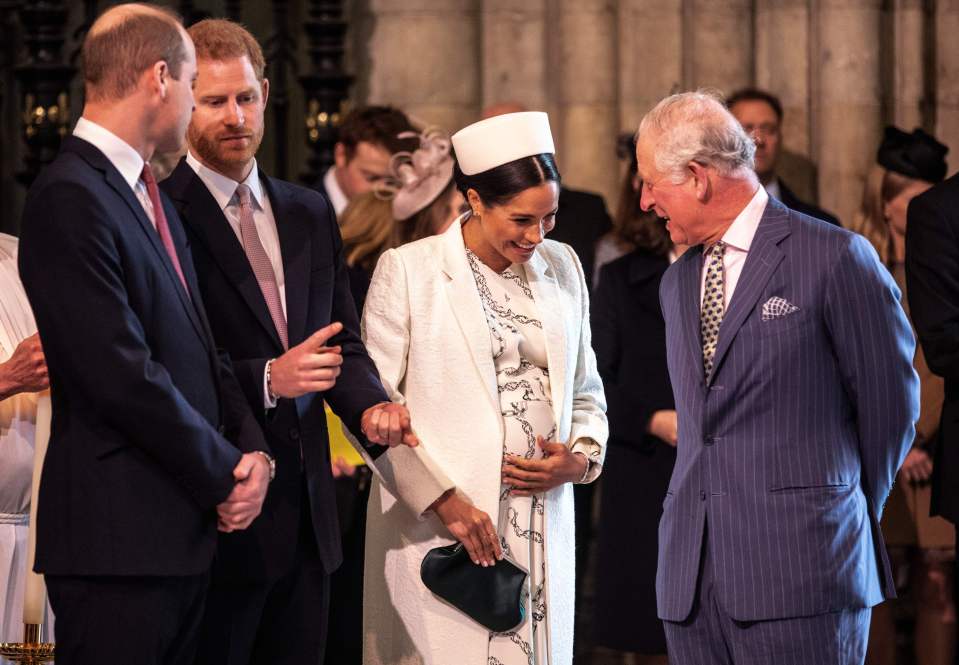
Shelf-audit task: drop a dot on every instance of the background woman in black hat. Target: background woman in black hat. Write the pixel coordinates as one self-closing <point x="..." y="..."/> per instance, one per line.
<point x="921" y="547"/>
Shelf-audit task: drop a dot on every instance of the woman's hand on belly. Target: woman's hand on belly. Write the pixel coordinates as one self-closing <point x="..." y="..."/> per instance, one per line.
<point x="470" y="526"/>
<point x="527" y="477"/>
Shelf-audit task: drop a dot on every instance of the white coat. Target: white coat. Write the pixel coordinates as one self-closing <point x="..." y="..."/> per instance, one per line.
<point x="425" y="328"/>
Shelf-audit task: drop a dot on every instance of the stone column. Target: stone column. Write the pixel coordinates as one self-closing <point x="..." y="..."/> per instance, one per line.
<point x="848" y="109"/>
<point x="424" y="58"/>
<point x="650" y="56"/>
<point x="947" y="78"/>
<point x="907" y="64"/>
<point x="719" y="44"/>
<point x="514" y="53"/>
<point x="587" y="129"/>
<point x="782" y="68"/>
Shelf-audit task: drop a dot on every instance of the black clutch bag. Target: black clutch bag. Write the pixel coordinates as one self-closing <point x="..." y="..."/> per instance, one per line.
<point x="491" y="596"/>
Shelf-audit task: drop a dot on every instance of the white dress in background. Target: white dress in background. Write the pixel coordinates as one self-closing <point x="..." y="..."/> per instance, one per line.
<point x="17" y="425"/>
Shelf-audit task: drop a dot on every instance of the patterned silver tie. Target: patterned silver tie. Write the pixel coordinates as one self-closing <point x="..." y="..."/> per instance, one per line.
<point x="260" y="263"/>
<point x="714" y="305"/>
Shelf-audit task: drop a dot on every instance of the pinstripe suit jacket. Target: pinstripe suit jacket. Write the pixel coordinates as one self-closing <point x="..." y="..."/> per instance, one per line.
<point x="789" y="450"/>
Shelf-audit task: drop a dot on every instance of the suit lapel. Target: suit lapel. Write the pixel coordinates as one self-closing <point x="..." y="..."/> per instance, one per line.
<point x="690" y="276"/>
<point x="116" y="181"/>
<point x="762" y="260"/>
<point x="201" y="212"/>
<point x="547" y="296"/>
<point x="295" y="250"/>
<point x="468" y="308"/>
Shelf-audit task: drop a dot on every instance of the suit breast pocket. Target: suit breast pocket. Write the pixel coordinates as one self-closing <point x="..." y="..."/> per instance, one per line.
<point x="788" y="325"/>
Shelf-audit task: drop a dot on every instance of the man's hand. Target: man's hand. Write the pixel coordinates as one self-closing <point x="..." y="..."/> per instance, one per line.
<point x="308" y="367"/>
<point x="917" y="467"/>
<point x="245" y="502"/>
<point x="388" y="424"/>
<point x="25" y="371"/>
<point x="527" y="477"/>
<point x="471" y="526"/>
<point x="665" y="425"/>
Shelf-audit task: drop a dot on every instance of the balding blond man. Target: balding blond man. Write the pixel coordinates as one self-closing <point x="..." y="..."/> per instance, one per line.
<point x="138" y="475"/>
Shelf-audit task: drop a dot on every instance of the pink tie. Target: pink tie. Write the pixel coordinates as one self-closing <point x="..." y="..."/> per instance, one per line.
<point x="260" y="263"/>
<point x="159" y="219"/>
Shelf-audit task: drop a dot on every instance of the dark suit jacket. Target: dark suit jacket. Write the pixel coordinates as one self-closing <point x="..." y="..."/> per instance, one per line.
<point x="932" y="277"/>
<point x="793" y="202"/>
<point x="317" y="293"/>
<point x="791" y="447"/>
<point x="135" y="466"/>
<point x="580" y="221"/>
<point x="629" y="337"/>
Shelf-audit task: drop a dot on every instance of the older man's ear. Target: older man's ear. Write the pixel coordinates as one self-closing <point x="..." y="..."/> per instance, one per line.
<point x="700" y="174"/>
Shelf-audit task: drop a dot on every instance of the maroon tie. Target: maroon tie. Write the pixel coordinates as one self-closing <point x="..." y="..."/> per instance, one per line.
<point x="159" y="218"/>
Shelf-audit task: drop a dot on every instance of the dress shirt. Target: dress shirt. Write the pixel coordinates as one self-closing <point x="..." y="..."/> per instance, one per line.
<point x="223" y="190"/>
<point x="772" y="188"/>
<point x="738" y="238"/>
<point x="336" y="195"/>
<point x="121" y="154"/>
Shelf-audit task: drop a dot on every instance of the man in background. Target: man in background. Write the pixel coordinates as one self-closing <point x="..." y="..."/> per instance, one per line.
<point x="761" y="115"/>
<point x="367" y="139"/>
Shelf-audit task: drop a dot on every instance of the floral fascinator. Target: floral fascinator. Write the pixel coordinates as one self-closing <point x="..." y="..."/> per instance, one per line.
<point x="418" y="177"/>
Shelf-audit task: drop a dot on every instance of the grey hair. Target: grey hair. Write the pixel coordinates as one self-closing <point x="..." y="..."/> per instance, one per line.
<point x="697" y="127"/>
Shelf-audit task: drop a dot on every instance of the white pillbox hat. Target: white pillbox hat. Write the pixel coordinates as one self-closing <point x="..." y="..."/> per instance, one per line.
<point x="502" y="139"/>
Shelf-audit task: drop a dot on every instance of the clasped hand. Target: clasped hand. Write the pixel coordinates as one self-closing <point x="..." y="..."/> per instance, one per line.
<point x="241" y="507"/>
<point x="26" y="370"/>
<point x="527" y="477"/>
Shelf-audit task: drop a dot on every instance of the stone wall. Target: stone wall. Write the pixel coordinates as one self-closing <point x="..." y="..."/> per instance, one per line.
<point x="843" y="69"/>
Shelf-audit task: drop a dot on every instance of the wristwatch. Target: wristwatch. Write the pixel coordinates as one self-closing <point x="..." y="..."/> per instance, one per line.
<point x="269" y="460"/>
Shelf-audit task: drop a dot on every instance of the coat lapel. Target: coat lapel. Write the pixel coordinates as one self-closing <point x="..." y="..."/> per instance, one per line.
<point x="200" y="211"/>
<point x="468" y="308"/>
<point x="761" y="261"/>
<point x="549" y="304"/>
<point x="690" y="275"/>
<point x="116" y="181"/>
<point x="295" y="250"/>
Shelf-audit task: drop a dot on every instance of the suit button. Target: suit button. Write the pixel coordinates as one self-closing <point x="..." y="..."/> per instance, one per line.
<point x="702" y="495"/>
<point x="294" y="434"/>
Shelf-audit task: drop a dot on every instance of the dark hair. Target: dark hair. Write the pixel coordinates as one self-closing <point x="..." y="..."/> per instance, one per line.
<point x="634" y="228"/>
<point x="756" y="95"/>
<point x="498" y="185"/>
<point x="114" y="57"/>
<point x="379" y="125"/>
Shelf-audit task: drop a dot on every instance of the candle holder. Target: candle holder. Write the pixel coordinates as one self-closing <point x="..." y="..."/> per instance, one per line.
<point x="31" y="651"/>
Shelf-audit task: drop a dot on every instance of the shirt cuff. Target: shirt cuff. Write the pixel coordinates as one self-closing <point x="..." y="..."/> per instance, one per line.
<point x="268" y="402"/>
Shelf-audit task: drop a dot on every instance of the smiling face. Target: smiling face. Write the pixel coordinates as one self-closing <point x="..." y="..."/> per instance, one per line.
<point x="678" y="204"/>
<point x="510" y="233"/>
<point x="227" y="125"/>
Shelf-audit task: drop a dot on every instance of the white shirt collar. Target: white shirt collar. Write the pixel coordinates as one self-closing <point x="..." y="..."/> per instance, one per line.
<point x="121" y="154"/>
<point x="741" y="232"/>
<point x="336" y="195"/>
<point x="222" y="187"/>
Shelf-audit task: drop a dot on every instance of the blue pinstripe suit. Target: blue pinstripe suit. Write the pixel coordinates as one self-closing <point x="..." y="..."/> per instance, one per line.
<point x="791" y="447"/>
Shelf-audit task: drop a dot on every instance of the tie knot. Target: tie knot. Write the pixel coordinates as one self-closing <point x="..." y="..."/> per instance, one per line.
<point x="146" y="175"/>
<point x="243" y="194"/>
<point x="717" y="249"/>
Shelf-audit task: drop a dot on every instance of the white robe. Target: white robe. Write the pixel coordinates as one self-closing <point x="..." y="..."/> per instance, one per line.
<point x="425" y="328"/>
<point x="17" y="425"/>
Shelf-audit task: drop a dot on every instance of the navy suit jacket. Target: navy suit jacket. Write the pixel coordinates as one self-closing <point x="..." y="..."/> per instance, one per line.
<point x="317" y="293"/>
<point x="788" y="452"/>
<point x="137" y="460"/>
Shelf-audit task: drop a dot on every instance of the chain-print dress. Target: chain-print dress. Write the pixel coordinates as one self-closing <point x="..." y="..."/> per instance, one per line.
<point x="522" y="377"/>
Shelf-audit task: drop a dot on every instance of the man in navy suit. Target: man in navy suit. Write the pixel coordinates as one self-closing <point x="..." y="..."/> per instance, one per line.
<point x="269" y="261"/>
<point x="791" y="364"/>
<point x="138" y="474"/>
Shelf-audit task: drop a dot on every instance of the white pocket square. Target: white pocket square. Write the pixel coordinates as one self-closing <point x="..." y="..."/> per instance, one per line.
<point x="776" y="308"/>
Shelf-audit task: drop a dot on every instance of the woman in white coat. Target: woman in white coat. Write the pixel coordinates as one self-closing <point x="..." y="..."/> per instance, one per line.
<point x="483" y="332"/>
